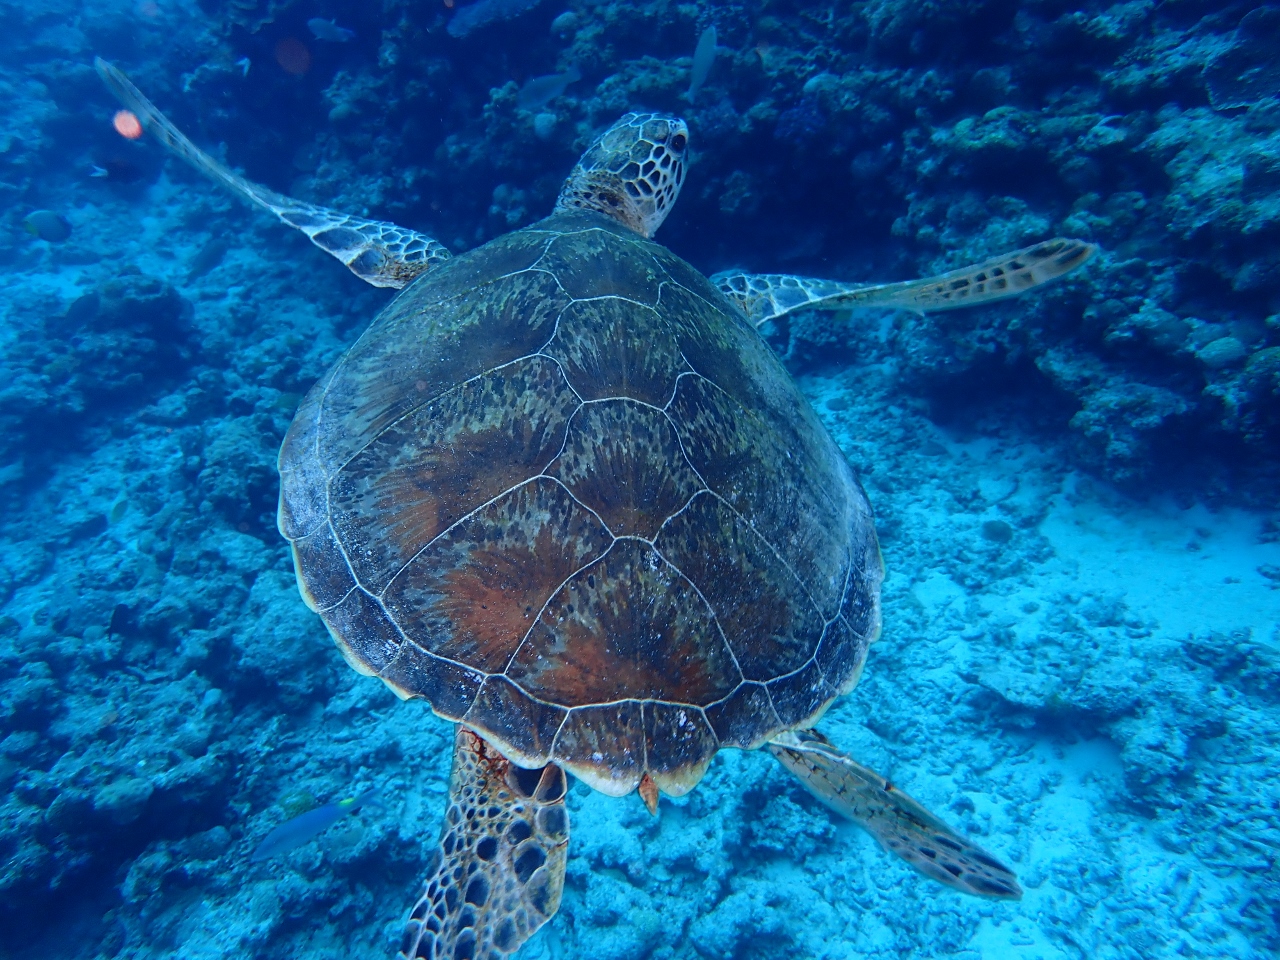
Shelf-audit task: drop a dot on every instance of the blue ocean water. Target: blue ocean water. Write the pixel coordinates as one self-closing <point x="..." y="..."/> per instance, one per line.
<point x="1075" y="490"/>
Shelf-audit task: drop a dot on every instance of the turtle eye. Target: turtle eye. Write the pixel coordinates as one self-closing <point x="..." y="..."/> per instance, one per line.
<point x="678" y="142"/>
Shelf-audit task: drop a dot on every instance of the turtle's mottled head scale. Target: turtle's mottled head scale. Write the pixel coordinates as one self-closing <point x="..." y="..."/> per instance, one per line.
<point x="632" y="172"/>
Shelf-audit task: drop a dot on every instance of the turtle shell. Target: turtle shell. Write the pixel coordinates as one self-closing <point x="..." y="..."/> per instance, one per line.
<point x="564" y="492"/>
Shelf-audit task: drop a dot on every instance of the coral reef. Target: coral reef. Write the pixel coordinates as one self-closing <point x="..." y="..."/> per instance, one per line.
<point x="1083" y="678"/>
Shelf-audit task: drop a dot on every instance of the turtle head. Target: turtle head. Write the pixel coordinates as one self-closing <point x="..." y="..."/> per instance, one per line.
<point x="632" y="172"/>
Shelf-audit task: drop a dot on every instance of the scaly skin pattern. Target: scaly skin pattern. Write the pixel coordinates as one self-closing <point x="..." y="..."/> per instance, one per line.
<point x="498" y="872"/>
<point x="902" y="825"/>
<point x="770" y="296"/>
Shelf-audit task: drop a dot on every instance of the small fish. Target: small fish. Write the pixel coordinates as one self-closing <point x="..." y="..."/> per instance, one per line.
<point x="482" y="13"/>
<point x="703" y="58"/>
<point x="210" y="256"/>
<point x="330" y="31"/>
<point x="118" y="622"/>
<point x="119" y="168"/>
<point x="47" y="225"/>
<point x="294" y="833"/>
<point x="244" y="64"/>
<point x="98" y="171"/>
<point x="540" y="91"/>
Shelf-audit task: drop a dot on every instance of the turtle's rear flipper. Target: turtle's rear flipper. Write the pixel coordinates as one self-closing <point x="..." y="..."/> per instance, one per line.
<point x="499" y="870"/>
<point x="900" y="824"/>
<point x="378" y="252"/>
<point x="768" y="296"/>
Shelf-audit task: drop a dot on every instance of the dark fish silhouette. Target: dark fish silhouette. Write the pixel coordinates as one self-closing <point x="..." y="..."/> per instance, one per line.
<point x="540" y="91"/>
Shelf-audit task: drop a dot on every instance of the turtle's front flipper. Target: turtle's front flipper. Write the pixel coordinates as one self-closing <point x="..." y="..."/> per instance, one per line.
<point x="499" y="870"/>
<point x="900" y="824"/>
<point x="767" y="296"/>
<point x="381" y="253"/>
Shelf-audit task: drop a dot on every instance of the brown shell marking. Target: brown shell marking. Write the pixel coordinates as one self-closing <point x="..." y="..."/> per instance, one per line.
<point x="622" y="460"/>
<point x="613" y="347"/>
<point x="434" y="465"/>
<point x="564" y="494"/>
<point x="629" y="626"/>
<point x="474" y="594"/>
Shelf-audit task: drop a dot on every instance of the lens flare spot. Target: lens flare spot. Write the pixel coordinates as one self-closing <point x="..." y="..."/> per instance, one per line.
<point x="293" y="56"/>
<point x="127" y="124"/>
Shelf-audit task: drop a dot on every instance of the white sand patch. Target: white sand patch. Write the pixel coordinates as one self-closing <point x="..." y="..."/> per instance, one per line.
<point x="937" y="592"/>
<point x="1189" y="570"/>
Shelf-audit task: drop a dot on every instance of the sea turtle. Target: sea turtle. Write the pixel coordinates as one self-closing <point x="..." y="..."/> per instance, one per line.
<point x="562" y="490"/>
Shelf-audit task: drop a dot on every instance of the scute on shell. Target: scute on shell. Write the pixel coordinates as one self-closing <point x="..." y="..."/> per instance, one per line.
<point x="563" y="492"/>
